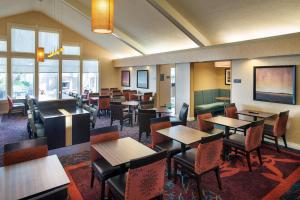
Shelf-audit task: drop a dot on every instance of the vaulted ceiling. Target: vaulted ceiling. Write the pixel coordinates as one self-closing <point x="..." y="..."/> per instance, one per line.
<point x="154" y="26"/>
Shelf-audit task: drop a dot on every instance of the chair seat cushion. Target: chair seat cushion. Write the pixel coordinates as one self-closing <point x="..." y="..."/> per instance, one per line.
<point x="235" y="140"/>
<point x="173" y="147"/>
<point x="118" y="184"/>
<point x="104" y="170"/>
<point x="18" y="105"/>
<point x="187" y="158"/>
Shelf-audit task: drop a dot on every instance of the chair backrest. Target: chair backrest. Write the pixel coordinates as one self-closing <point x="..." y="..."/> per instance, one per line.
<point x="158" y="124"/>
<point x="132" y="97"/>
<point x="31" y="122"/>
<point x="230" y="111"/>
<point x="116" y="111"/>
<point x="280" y="123"/>
<point x="102" y="135"/>
<point x="184" y="112"/>
<point x="126" y="94"/>
<point x="104" y="103"/>
<point x="113" y="89"/>
<point x="254" y="135"/>
<point x="144" y="117"/>
<point x="25" y="150"/>
<point x="94" y="113"/>
<point x="10" y="103"/>
<point x="146" y="177"/>
<point x="147" y="96"/>
<point x="209" y="152"/>
<point x="146" y="105"/>
<point x="104" y="91"/>
<point x="203" y="125"/>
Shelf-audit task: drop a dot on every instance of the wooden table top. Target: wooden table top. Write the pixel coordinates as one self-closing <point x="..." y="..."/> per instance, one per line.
<point x="229" y="122"/>
<point x="130" y="103"/>
<point x="183" y="134"/>
<point x="121" y="151"/>
<point x="255" y="113"/>
<point x="161" y="110"/>
<point x="138" y="95"/>
<point x="32" y="177"/>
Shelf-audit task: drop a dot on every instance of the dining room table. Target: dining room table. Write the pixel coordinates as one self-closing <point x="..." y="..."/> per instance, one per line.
<point x="120" y="151"/>
<point x="184" y="135"/>
<point x="34" y="179"/>
<point x="161" y="110"/>
<point x="139" y="96"/>
<point x="256" y="114"/>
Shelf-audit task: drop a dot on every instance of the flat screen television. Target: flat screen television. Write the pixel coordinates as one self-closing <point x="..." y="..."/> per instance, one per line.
<point x="275" y="84"/>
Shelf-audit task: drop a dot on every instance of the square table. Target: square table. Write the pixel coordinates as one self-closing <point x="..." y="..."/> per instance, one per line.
<point x="256" y="114"/>
<point x="183" y="134"/>
<point x="121" y="151"/>
<point x="161" y="110"/>
<point x="227" y="122"/>
<point x="34" y="178"/>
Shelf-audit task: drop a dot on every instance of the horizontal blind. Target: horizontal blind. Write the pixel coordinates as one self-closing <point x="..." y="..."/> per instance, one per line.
<point x="90" y="66"/>
<point x="70" y="66"/>
<point x="48" y="66"/>
<point x="22" y="40"/>
<point x="71" y="50"/>
<point x="49" y="41"/>
<point x="22" y="65"/>
<point x="3" y="65"/>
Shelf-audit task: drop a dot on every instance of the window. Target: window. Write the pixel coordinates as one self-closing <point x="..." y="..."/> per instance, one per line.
<point x="48" y="79"/>
<point x="3" y="45"/>
<point x="90" y="75"/>
<point x="49" y="41"/>
<point x="3" y="75"/>
<point x="22" y="77"/>
<point x="22" y="40"/>
<point x="70" y="76"/>
<point x="71" y="50"/>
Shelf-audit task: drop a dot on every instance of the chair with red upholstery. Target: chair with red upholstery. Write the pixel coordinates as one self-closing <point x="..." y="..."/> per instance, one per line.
<point x="207" y="126"/>
<point x="132" y="96"/>
<point x="15" y="107"/>
<point x="201" y="160"/>
<point x="278" y="129"/>
<point x="103" y="105"/>
<point x="147" y="96"/>
<point x="230" y="111"/>
<point x="244" y="145"/>
<point x="126" y="94"/>
<point x="161" y="142"/>
<point x="105" y="92"/>
<point x="144" y="180"/>
<point x="100" y="167"/>
<point x="24" y="151"/>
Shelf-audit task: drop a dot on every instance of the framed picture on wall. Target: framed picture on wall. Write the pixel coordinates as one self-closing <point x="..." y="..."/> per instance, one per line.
<point x="142" y="79"/>
<point x="125" y="78"/>
<point x="227" y="76"/>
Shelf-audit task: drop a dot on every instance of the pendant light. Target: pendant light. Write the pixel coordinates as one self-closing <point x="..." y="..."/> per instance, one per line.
<point x="40" y="54"/>
<point x="102" y="16"/>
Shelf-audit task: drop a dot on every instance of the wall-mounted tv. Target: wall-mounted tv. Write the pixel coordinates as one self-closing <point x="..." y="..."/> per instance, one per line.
<point x="275" y="84"/>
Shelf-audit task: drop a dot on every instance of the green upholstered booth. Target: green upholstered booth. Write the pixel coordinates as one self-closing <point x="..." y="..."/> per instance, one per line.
<point x="205" y="101"/>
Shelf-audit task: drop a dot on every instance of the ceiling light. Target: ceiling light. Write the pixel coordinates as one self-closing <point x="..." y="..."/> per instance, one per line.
<point x="102" y="16"/>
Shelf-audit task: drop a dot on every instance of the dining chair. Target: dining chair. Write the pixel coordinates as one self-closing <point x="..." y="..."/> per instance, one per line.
<point x="145" y="179"/>
<point x="93" y="116"/>
<point x="126" y="94"/>
<point x="132" y="96"/>
<point x="117" y="113"/>
<point x="37" y="130"/>
<point x="201" y="160"/>
<point x="244" y="145"/>
<point x="207" y="126"/>
<point x="160" y="142"/>
<point x="15" y="107"/>
<point x="183" y="114"/>
<point x="24" y="151"/>
<point x="230" y="111"/>
<point x="147" y="96"/>
<point x="103" y="105"/>
<point x="100" y="167"/>
<point x="144" y="121"/>
<point x="278" y="129"/>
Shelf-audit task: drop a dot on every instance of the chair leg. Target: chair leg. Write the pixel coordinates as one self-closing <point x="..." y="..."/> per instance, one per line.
<point x="217" y="171"/>
<point x="121" y="123"/>
<point x="199" y="187"/>
<point x="140" y="135"/>
<point x="111" y="121"/>
<point x="284" y="140"/>
<point x="92" y="178"/>
<point x="175" y="172"/>
<point x="248" y="161"/>
<point x="102" y="195"/>
<point x="259" y="156"/>
<point x="276" y="143"/>
<point x="169" y="167"/>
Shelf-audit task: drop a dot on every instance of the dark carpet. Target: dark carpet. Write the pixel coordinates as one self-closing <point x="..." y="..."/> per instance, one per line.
<point x="278" y="178"/>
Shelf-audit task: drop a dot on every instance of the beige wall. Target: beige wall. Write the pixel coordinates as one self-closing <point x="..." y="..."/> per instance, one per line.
<point x="207" y="76"/>
<point x="165" y="85"/>
<point x="109" y="76"/>
<point x="242" y="94"/>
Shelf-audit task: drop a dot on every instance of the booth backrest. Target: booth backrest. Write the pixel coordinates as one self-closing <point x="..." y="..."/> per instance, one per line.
<point x="202" y="97"/>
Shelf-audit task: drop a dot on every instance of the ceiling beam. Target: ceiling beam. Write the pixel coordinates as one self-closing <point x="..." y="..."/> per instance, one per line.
<point x="180" y="22"/>
<point x="117" y="33"/>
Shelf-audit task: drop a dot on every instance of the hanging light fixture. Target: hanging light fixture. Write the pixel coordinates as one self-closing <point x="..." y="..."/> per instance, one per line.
<point x="102" y="16"/>
<point x="40" y="54"/>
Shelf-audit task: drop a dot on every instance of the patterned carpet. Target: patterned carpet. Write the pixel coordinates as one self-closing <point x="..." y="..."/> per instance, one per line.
<point x="278" y="178"/>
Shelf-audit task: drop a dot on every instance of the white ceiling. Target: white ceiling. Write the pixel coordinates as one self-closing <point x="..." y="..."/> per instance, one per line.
<point x="219" y="21"/>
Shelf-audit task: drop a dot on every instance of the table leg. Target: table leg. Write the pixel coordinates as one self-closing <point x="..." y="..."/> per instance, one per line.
<point x="159" y="114"/>
<point x="183" y="147"/>
<point x="227" y="131"/>
<point x="255" y="118"/>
